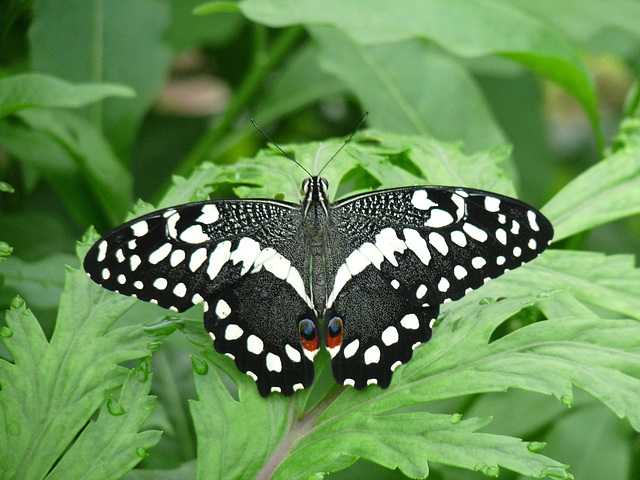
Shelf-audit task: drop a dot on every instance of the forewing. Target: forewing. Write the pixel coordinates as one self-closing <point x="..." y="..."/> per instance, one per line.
<point x="226" y="255"/>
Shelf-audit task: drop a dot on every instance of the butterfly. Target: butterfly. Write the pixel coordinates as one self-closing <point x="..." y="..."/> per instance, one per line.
<point x="364" y="276"/>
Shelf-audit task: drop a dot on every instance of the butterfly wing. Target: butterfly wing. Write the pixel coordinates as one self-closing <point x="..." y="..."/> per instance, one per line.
<point x="410" y="250"/>
<point x="243" y="259"/>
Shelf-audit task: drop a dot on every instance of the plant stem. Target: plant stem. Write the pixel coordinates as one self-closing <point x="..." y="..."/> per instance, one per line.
<point x="263" y="65"/>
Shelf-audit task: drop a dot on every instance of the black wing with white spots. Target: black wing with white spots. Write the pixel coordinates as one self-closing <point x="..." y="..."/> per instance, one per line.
<point x="243" y="260"/>
<point x="412" y="249"/>
<point x="376" y="267"/>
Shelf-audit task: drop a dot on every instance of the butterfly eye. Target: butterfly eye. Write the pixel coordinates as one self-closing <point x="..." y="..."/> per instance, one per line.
<point x="308" y="335"/>
<point x="324" y="183"/>
<point x="305" y="185"/>
<point x="334" y="332"/>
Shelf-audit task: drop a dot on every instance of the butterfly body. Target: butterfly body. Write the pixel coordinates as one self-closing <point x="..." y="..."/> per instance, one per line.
<point x="364" y="276"/>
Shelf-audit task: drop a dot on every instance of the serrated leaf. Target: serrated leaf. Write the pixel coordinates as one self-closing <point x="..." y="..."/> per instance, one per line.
<point x="608" y="282"/>
<point x="52" y="387"/>
<point x="39" y="282"/>
<point x="32" y="90"/>
<point x="113" y="444"/>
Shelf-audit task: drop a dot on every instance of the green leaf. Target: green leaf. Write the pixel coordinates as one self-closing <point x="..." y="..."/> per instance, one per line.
<point x="76" y="159"/>
<point x="113" y="444"/>
<point x="608" y="191"/>
<point x="95" y="41"/>
<point x="5" y="187"/>
<point x="611" y="283"/>
<point x="52" y="388"/>
<point x="40" y="283"/>
<point x="5" y="251"/>
<point x="466" y="28"/>
<point x="32" y="90"/>
<point x="396" y="82"/>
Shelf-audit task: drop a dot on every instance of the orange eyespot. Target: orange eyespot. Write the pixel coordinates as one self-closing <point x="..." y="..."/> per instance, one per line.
<point x="308" y="335"/>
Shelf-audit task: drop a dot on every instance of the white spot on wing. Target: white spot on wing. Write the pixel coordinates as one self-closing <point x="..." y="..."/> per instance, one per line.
<point x="160" y="254"/>
<point x="459" y="238"/>
<point x="357" y="262"/>
<point x="533" y="222"/>
<point x="517" y="251"/>
<point x="461" y="207"/>
<point x="372" y="253"/>
<point x="180" y="290"/>
<point x="160" y="283"/>
<point x="209" y="214"/>
<point x="478" y="262"/>
<point x="438" y="218"/>
<point x="196" y="299"/>
<point x="390" y="335"/>
<point x="122" y="279"/>
<point x="491" y="204"/>
<point x="395" y="284"/>
<point x="501" y="236"/>
<point x="475" y="232"/>
<point x="278" y="265"/>
<point x="388" y="243"/>
<point x="105" y="273"/>
<point x="177" y="256"/>
<point x="102" y="251"/>
<point x="274" y="364"/>
<point x="134" y="262"/>
<point x="372" y="355"/>
<point x="443" y="285"/>
<point x="459" y="272"/>
<point x="292" y="353"/>
<point x="532" y="244"/>
<point x="255" y="345"/>
<point x="194" y="234"/>
<point x="218" y="258"/>
<point x="233" y="331"/>
<point x="197" y="259"/>
<point x="171" y="225"/>
<point x="439" y="243"/>
<point x="141" y="228"/>
<point x="138" y="284"/>
<point x="246" y="252"/>
<point x="410" y="321"/>
<point x="341" y="279"/>
<point x="223" y="310"/>
<point x="417" y="245"/>
<point x="421" y="201"/>
<point x="500" y="260"/>
<point x="351" y="349"/>
<point x="421" y="291"/>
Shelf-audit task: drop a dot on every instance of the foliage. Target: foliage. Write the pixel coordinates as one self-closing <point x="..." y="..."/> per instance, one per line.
<point x="78" y="124"/>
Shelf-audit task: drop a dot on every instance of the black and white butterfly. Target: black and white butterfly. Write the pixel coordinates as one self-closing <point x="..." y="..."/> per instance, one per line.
<point x="374" y="267"/>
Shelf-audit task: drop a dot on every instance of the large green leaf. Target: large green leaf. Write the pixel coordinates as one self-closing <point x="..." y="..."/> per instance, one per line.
<point x="31" y="90"/>
<point x="51" y="388"/>
<point x="95" y="41"/>
<point x="410" y="87"/>
<point x="467" y="28"/>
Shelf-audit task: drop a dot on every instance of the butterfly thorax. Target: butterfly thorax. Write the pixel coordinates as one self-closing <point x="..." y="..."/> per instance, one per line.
<point x="315" y="227"/>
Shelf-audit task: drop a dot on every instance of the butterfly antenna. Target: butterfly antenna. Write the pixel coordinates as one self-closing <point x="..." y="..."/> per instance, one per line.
<point x="264" y="134"/>
<point x="366" y="114"/>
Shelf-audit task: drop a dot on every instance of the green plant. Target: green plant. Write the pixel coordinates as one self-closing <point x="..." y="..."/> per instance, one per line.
<point x="73" y="405"/>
